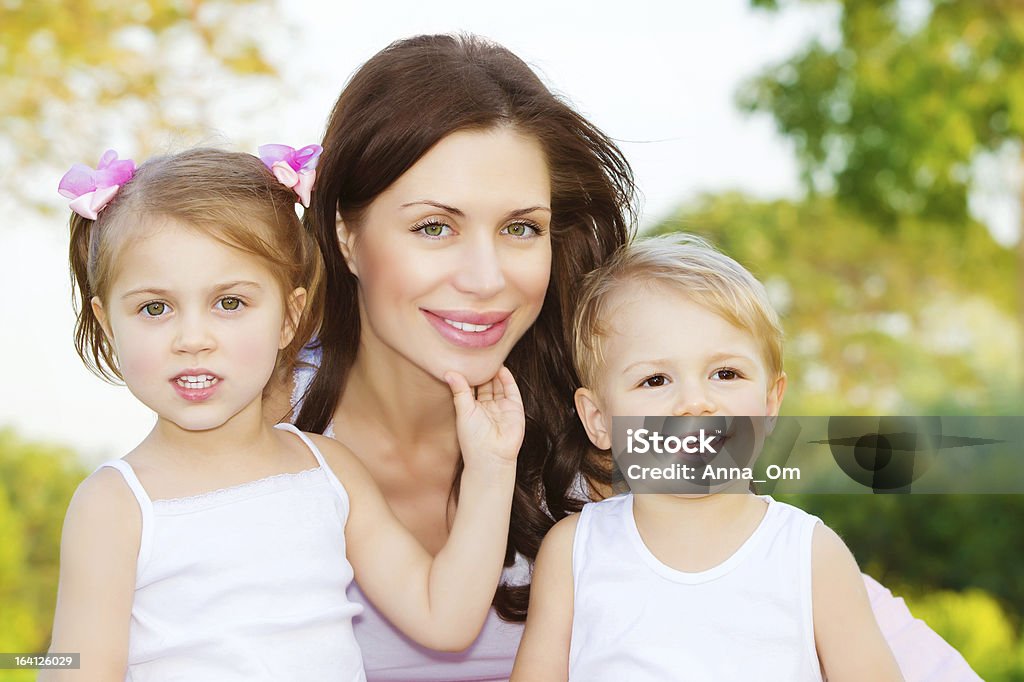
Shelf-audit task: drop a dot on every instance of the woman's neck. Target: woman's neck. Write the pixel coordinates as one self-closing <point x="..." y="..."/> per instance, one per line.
<point x="395" y="402"/>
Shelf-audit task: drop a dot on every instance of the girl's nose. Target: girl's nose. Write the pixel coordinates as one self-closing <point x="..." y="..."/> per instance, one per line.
<point x="193" y="333"/>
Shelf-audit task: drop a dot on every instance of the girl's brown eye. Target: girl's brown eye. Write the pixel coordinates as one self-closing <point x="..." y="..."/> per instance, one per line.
<point x="726" y="374"/>
<point x="230" y="303"/>
<point x="155" y="309"/>
<point x="654" y="381"/>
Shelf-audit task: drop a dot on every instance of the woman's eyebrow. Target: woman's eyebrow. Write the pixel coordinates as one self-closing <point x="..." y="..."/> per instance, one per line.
<point x="437" y="204"/>
<point x="525" y="211"/>
<point x="454" y="211"/>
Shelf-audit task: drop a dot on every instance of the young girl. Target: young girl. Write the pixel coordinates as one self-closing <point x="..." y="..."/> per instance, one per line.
<point x="723" y="586"/>
<point x="221" y="548"/>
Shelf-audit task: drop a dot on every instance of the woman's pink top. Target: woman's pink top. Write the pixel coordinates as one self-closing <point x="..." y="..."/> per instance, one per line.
<point x="389" y="656"/>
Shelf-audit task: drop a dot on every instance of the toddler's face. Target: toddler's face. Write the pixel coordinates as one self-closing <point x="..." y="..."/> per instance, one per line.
<point x="196" y="325"/>
<point x="665" y="355"/>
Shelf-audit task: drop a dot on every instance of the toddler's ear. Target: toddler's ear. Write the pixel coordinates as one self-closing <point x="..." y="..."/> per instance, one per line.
<point x="101" y="317"/>
<point x="774" y="403"/>
<point x="593" y="418"/>
<point x="346" y="240"/>
<point x="292" y="315"/>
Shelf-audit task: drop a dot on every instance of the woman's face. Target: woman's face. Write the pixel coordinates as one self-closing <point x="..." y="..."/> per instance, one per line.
<point x="453" y="259"/>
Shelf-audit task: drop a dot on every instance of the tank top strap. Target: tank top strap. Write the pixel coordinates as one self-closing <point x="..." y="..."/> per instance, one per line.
<point x="579" y="542"/>
<point x="328" y="472"/>
<point x="145" y="507"/>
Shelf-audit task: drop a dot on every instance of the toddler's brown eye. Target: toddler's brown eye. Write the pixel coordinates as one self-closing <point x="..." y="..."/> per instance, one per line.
<point x="230" y="303"/>
<point x="726" y="374"/>
<point x="155" y="309"/>
<point x="655" y="381"/>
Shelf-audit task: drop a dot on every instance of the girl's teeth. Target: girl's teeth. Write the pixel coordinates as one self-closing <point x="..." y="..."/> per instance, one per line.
<point x="195" y="383"/>
<point x="467" y="326"/>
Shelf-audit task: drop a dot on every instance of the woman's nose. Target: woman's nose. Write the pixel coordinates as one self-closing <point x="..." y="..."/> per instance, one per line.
<point x="480" y="269"/>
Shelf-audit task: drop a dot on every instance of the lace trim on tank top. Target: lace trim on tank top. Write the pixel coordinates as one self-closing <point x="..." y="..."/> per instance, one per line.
<point x="269" y="484"/>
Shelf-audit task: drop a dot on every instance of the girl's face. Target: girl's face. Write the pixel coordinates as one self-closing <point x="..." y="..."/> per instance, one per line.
<point x="196" y="324"/>
<point x="454" y="258"/>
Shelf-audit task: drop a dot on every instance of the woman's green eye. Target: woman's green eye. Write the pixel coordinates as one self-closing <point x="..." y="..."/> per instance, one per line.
<point x="521" y="230"/>
<point x="230" y="303"/>
<point x="433" y="230"/>
<point x="155" y="309"/>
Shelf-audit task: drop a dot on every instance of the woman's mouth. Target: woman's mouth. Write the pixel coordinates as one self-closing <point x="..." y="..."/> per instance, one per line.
<point x="469" y="329"/>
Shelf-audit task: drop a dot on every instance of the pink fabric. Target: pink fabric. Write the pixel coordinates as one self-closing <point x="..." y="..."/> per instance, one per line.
<point x="921" y="654"/>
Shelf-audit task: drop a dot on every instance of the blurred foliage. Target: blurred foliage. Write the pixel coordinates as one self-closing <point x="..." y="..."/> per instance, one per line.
<point x="914" y="322"/>
<point x="895" y="117"/>
<point x="974" y="623"/>
<point x="79" y="76"/>
<point x="36" y="484"/>
<point x="897" y="111"/>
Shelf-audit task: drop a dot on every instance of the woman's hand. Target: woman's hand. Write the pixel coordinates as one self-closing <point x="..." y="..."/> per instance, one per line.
<point x="489" y="419"/>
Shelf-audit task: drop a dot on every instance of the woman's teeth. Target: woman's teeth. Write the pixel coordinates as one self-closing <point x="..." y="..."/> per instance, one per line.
<point x="467" y="326"/>
<point x="197" y="382"/>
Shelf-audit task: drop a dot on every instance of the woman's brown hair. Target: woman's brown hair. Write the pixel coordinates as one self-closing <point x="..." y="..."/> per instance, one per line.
<point x="396" y="107"/>
<point x="232" y="197"/>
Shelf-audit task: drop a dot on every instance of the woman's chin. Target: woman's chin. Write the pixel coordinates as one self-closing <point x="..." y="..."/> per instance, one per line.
<point x="476" y="373"/>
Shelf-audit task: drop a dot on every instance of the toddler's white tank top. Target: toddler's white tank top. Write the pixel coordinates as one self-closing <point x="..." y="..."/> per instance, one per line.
<point x="748" y="618"/>
<point x="245" y="583"/>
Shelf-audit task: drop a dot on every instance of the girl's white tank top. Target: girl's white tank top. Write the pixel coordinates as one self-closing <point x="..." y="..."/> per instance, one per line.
<point x="245" y="583"/>
<point x="748" y="618"/>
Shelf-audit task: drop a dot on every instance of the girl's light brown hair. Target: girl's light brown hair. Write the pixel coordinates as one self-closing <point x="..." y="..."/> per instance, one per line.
<point x="230" y="196"/>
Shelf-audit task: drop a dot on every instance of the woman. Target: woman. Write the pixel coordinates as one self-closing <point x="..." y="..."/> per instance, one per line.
<point x="458" y="204"/>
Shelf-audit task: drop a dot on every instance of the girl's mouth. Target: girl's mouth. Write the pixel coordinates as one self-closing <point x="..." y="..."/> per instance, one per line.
<point x="196" y="386"/>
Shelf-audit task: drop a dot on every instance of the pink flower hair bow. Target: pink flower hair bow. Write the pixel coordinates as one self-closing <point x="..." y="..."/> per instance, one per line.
<point x="90" y="190"/>
<point x="295" y="168"/>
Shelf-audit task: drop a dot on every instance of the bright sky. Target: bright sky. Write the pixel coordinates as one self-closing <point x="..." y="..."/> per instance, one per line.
<point x="659" y="77"/>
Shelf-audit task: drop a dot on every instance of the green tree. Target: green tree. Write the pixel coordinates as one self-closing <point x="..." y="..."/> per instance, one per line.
<point x="77" y="77"/>
<point x="894" y="115"/>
